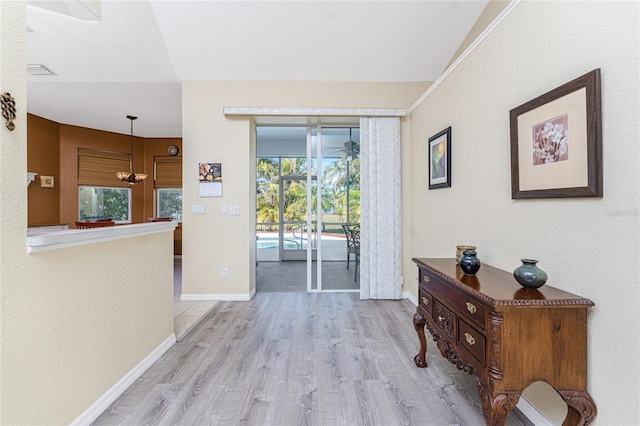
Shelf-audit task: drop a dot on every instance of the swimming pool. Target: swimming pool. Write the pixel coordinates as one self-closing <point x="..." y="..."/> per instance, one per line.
<point x="267" y="243"/>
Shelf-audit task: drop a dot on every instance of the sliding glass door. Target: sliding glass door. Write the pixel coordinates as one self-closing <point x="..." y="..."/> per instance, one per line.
<point x="303" y="206"/>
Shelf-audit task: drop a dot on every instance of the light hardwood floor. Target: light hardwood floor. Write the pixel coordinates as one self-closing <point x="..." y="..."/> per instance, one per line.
<point x="301" y="359"/>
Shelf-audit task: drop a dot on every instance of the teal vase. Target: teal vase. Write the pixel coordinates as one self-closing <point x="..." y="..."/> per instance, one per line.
<point x="529" y="275"/>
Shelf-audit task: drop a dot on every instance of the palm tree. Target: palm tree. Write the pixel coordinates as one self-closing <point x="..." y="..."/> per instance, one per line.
<point x="343" y="176"/>
<point x="267" y="191"/>
<point x="340" y="189"/>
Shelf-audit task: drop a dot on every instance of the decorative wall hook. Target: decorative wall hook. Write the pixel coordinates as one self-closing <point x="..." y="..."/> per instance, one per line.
<point x="8" y="109"/>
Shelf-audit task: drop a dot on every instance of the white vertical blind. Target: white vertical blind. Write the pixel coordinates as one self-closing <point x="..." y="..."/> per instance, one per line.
<point x="380" y="208"/>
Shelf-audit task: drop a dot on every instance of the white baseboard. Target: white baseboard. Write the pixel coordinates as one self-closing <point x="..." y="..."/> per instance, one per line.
<point x="116" y="390"/>
<point x="222" y="297"/>
<point x="410" y="296"/>
<point x="532" y="413"/>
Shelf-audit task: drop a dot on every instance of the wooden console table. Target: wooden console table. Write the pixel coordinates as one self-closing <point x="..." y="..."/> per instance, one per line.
<point x="508" y="336"/>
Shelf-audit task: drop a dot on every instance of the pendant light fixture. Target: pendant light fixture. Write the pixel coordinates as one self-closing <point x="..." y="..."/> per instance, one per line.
<point x="130" y="177"/>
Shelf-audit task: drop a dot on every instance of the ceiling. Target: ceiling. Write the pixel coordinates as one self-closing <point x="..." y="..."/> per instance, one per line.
<point x="132" y="57"/>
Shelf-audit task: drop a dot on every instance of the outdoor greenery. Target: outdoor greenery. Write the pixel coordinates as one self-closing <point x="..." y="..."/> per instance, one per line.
<point x="170" y="203"/>
<point x="334" y="192"/>
<point x="102" y="203"/>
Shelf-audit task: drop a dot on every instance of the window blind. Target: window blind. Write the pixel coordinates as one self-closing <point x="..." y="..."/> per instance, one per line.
<point x="98" y="168"/>
<point x="168" y="172"/>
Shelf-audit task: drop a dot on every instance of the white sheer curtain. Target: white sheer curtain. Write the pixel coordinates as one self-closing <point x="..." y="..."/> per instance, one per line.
<point x="380" y="208"/>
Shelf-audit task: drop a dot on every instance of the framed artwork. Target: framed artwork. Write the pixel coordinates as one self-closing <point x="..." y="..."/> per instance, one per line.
<point x="47" y="182"/>
<point x="556" y="142"/>
<point x="440" y="160"/>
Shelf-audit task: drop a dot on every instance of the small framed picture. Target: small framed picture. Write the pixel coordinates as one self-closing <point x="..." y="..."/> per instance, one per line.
<point x="440" y="160"/>
<point x="210" y="172"/>
<point x="46" y="182"/>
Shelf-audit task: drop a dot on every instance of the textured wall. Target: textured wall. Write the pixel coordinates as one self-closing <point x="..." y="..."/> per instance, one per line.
<point x="588" y="246"/>
<point x="76" y="320"/>
<point x="13" y="167"/>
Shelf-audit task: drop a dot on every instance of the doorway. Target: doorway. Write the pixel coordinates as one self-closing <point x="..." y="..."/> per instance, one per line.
<point x="301" y="243"/>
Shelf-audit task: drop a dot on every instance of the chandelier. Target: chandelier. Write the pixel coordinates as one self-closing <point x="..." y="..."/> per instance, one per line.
<point x="130" y="177"/>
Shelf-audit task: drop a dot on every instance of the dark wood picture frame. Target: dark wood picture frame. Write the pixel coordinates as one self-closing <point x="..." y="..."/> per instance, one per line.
<point x="576" y="104"/>
<point x="440" y="159"/>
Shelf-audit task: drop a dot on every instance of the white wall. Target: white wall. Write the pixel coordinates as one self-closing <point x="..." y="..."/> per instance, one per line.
<point x="76" y="320"/>
<point x="213" y="241"/>
<point x="587" y="246"/>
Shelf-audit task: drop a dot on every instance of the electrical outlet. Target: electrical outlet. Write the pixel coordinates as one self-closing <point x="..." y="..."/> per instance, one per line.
<point x="224" y="273"/>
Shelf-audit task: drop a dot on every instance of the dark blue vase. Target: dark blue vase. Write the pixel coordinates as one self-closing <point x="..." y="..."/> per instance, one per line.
<point x="529" y="275"/>
<point x="469" y="262"/>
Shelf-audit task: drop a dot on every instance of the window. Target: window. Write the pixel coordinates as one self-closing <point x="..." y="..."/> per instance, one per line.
<point x="98" y="202"/>
<point x="169" y="203"/>
<point x="168" y="184"/>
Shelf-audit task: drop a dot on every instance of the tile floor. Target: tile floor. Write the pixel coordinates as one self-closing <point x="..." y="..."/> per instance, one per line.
<point x="186" y="314"/>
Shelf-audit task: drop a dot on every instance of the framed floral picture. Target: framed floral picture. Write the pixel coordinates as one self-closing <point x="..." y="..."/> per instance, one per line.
<point x="440" y="159"/>
<point x="556" y="142"/>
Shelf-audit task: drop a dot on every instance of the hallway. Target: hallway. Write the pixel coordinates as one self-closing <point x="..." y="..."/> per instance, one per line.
<point x="297" y="358"/>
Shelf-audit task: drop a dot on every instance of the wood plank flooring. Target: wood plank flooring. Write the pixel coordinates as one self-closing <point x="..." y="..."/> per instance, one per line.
<point x="301" y="359"/>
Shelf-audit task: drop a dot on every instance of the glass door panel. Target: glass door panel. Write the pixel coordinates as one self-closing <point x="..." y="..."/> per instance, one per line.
<point x="341" y="207"/>
<point x="267" y="209"/>
<point x="294" y="233"/>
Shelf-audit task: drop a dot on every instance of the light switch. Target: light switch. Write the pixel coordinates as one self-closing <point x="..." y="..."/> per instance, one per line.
<point x="198" y="209"/>
<point x="225" y="210"/>
<point x="235" y="210"/>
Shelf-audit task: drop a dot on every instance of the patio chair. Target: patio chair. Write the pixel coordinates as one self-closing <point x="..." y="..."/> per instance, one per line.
<point x="352" y="232"/>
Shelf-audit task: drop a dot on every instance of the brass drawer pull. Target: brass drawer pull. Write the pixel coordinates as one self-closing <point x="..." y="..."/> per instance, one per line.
<point x="425" y="301"/>
<point x="470" y="339"/>
<point x="440" y="319"/>
<point x="426" y="279"/>
<point x="471" y="307"/>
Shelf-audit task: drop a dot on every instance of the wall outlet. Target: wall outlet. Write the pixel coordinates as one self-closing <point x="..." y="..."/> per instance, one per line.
<point x="198" y="209"/>
<point x="224" y="273"/>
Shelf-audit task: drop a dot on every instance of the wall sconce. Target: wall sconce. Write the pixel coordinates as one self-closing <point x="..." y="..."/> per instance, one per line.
<point x="8" y="109"/>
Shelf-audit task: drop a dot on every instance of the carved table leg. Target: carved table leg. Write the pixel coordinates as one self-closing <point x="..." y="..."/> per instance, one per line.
<point x="581" y="408"/>
<point x="418" y="322"/>
<point x="496" y="406"/>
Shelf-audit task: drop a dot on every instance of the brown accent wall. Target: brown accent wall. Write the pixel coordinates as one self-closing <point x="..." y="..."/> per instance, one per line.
<point x="156" y="147"/>
<point x="43" y="151"/>
<point x="53" y="151"/>
<point x="72" y="138"/>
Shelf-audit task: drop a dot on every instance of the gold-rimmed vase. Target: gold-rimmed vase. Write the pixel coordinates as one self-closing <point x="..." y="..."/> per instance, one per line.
<point x="460" y="249"/>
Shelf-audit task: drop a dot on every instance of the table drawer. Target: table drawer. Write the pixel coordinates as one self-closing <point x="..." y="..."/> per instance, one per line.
<point x="466" y="305"/>
<point x="444" y="319"/>
<point x="472" y="340"/>
<point x="425" y="300"/>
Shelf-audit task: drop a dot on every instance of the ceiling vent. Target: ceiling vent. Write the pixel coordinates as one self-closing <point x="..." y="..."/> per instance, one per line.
<point x="39" y="69"/>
